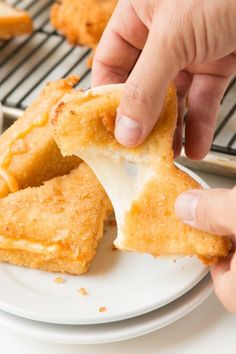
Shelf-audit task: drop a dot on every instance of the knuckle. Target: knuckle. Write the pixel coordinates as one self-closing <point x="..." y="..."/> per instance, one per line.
<point x="134" y="93"/>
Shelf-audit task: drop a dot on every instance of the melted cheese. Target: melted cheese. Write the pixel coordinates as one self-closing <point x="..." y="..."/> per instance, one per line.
<point x="122" y="180"/>
<point x="10" y="151"/>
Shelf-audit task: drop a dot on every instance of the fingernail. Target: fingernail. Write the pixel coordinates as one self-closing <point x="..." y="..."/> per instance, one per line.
<point x="185" y="206"/>
<point x="128" y="131"/>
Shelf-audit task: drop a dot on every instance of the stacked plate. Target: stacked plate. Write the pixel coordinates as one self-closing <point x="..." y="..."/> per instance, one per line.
<point x="124" y="295"/>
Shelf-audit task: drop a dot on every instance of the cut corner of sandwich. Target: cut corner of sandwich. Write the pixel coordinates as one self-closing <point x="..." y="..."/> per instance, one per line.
<point x="57" y="226"/>
<point x="13" y="21"/>
<point x="142" y="182"/>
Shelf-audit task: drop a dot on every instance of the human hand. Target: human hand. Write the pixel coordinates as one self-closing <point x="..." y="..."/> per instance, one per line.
<point x="148" y="43"/>
<point x="213" y="210"/>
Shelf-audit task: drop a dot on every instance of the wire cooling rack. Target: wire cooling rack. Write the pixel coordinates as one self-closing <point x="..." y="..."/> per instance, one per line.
<point x="28" y="62"/>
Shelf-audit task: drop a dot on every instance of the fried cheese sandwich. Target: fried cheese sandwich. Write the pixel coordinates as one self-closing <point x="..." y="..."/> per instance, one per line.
<point x="13" y="22"/>
<point x="57" y="226"/>
<point x="28" y="152"/>
<point x="82" y="21"/>
<point x="142" y="182"/>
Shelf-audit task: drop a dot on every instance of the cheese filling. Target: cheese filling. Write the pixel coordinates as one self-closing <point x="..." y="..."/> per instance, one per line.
<point x="26" y="245"/>
<point x="122" y="180"/>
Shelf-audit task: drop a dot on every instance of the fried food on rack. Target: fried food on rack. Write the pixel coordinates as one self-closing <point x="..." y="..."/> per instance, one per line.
<point x="82" y="21"/>
<point x="13" y="22"/>
<point x="142" y="182"/>
<point x="28" y="152"/>
<point x="57" y="226"/>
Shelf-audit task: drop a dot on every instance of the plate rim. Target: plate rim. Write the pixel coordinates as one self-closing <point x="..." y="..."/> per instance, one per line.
<point x="182" y="306"/>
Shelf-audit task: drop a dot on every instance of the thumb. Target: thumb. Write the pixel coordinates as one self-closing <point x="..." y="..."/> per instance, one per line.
<point x="145" y="89"/>
<point x="212" y="210"/>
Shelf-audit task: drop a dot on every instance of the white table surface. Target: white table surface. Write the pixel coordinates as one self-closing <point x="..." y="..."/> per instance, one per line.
<point x="208" y="329"/>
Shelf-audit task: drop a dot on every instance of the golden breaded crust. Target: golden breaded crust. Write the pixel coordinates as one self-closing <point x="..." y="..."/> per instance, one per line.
<point x="28" y="152"/>
<point x="82" y="21"/>
<point x="88" y="121"/>
<point x="13" y="22"/>
<point x="56" y="226"/>
<point x="150" y="225"/>
<point x="157" y="229"/>
<point x="38" y="261"/>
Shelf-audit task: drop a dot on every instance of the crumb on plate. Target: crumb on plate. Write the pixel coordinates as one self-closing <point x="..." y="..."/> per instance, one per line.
<point x="102" y="309"/>
<point x="59" y="280"/>
<point x="83" y="291"/>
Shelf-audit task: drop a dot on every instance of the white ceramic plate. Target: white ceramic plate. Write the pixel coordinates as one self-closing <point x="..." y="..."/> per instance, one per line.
<point x="127" y="284"/>
<point x="112" y="332"/>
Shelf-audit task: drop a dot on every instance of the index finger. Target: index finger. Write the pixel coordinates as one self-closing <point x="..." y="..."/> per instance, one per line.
<point x="119" y="47"/>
